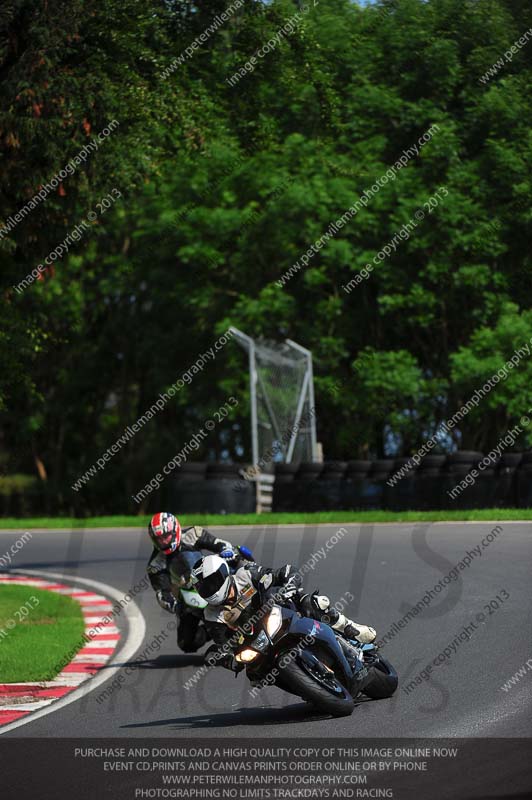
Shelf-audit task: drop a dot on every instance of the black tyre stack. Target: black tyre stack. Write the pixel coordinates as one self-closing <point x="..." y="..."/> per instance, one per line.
<point x="400" y="486"/>
<point x="284" y="491"/>
<point x="355" y="485"/>
<point x="215" y="488"/>
<point x="524" y="481"/>
<point x="457" y="469"/>
<point x="330" y="484"/>
<point x="429" y="484"/>
<point x="375" y="494"/>
<point x="505" y="494"/>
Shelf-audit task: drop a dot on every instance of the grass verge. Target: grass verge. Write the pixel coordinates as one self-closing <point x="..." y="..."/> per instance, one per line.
<point x="36" y="645"/>
<point x="296" y="518"/>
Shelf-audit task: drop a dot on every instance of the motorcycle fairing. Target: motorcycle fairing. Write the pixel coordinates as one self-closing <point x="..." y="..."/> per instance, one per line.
<point x="299" y="627"/>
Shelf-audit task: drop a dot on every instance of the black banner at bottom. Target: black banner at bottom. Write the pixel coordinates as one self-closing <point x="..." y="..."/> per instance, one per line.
<point x="265" y="769"/>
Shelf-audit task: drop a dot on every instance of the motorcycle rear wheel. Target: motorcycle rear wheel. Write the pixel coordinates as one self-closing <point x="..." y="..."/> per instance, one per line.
<point x="306" y="687"/>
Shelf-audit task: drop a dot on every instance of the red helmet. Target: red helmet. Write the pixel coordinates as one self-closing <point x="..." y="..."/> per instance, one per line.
<point x="165" y="532"/>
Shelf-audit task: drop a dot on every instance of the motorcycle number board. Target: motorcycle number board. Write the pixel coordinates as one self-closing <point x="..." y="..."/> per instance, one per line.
<point x="193" y="599"/>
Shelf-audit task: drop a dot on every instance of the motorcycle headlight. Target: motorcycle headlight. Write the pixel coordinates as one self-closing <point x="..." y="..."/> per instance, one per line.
<point x="245" y="656"/>
<point x="274" y="621"/>
<point x="261" y="643"/>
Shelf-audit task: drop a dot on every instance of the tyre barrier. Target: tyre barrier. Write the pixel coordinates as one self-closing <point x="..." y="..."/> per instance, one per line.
<point x="191" y="471"/>
<point x="360" y="484"/>
<point x="364" y="485"/>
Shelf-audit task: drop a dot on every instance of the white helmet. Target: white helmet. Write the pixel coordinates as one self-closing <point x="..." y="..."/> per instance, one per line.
<point x="212" y="579"/>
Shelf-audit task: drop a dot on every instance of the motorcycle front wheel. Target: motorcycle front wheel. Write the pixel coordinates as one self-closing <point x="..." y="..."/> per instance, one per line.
<point x="326" y="694"/>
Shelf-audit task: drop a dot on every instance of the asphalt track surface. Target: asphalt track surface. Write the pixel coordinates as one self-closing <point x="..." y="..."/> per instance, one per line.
<point x="386" y="568"/>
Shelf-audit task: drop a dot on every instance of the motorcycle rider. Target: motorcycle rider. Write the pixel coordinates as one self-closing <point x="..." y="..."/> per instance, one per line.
<point x="175" y="552"/>
<point x="233" y="599"/>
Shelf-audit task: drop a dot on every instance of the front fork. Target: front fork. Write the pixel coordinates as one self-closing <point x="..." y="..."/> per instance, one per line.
<point x="360" y="658"/>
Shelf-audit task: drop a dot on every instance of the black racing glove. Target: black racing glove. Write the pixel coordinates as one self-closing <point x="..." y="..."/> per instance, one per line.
<point x="167" y="601"/>
<point x="216" y="656"/>
<point x="291" y="589"/>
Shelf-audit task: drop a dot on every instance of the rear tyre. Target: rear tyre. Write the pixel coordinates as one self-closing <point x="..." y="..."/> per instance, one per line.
<point x="306" y="687"/>
<point x="384" y="680"/>
<point x="190" y="634"/>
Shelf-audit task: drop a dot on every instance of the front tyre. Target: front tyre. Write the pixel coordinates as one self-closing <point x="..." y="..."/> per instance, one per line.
<point x="383" y="681"/>
<point x="299" y="682"/>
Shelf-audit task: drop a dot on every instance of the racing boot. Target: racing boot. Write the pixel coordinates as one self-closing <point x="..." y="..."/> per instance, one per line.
<point x="320" y="605"/>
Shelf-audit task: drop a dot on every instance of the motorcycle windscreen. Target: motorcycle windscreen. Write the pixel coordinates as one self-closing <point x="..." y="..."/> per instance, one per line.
<point x="181" y="567"/>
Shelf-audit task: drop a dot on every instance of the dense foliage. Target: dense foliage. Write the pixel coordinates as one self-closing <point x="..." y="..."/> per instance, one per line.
<point x="223" y="188"/>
